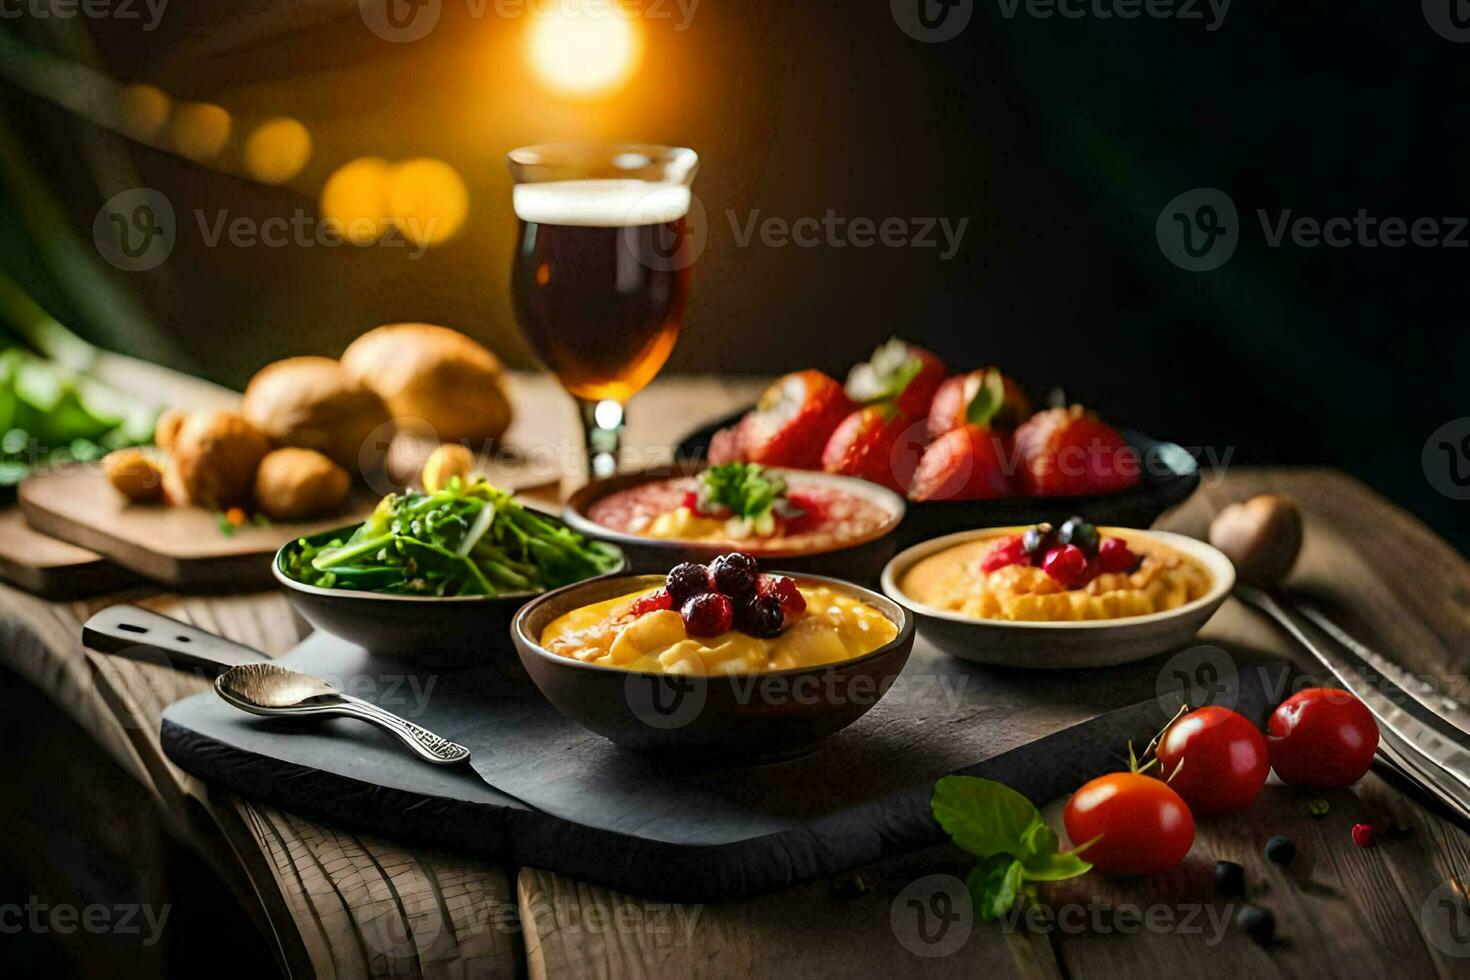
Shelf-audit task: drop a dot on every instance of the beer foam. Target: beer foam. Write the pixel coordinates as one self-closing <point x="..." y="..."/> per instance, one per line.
<point x="601" y="203"/>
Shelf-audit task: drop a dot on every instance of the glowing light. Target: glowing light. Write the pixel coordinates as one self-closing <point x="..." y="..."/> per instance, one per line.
<point x="584" y="48"/>
<point x="277" y="150"/>
<point x="199" y="130"/>
<point x="427" y="200"/>
<point x="142" y="111"/>
<point x="355" y="199"/>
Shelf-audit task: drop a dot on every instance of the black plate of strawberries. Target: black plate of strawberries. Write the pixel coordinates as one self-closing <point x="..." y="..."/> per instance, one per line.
<point x="967" y="450"/>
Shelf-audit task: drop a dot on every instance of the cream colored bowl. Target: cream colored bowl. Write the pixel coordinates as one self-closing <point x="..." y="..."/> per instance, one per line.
<point x="1065" y="644"/>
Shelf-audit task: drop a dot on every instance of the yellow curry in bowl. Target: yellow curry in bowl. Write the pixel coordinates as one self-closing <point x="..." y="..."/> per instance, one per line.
<point x="833" y="627"/>
<point x="1043" y="574"/>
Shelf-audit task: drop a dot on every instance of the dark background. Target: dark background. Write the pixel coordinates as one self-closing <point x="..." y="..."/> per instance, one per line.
<point x="1060" y="140"/>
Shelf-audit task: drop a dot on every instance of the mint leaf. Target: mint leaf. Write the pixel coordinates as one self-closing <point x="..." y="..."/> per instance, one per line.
<point x="1056" y="867"/>
<point x="1038" y="841"/>
<point x="989" y="398"/>
<point x="983" y="816"/>
<point x="994" y="885"/>
<point x="745" y="489"/>
<point x="885" y="375"/>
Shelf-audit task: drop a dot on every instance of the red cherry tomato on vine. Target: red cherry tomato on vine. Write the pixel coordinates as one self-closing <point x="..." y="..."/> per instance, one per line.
<point x="1321" y="739"/>
<point x="1141" y="825"/>
<point x="1215" y="759"/>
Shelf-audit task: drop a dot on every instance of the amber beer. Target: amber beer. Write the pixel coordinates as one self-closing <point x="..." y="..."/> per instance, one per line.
<point x="600" y="280"/>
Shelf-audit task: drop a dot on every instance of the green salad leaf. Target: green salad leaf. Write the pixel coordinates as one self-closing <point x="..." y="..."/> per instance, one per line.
<point x="746" y="490"/>
<point x="1004" y="829"/>
<point x="469" y="538"/>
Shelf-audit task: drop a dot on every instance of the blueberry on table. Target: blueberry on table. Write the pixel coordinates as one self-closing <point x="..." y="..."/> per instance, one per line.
<point x="1280" y="850"/>
<point x="686" y="581"/>
<point x="734" y="574"/>
<point x="1079" y="532"/>
<point x="1037" y="541"/>
<point x="1258" y="923"/>
<point x="1229" y="878"/>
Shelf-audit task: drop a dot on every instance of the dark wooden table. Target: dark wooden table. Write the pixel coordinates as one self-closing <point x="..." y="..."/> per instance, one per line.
<point x="328" y="901"/>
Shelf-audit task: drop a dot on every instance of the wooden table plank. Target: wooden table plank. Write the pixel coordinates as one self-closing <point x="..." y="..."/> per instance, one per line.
<point x="1341" y="910"/>
<point x="340" y="903"/>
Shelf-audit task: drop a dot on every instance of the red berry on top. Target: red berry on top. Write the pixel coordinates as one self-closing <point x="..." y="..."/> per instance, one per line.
<point x="1011" y="551"/>
<point x="652" y="602"/>
<point x="688" y="580"/>
<point x="1114" y="555"/>
<point x="1067" y="564"/>
<point x="784" y="589"/>
<point x="1364" y="835"/>
<point x="734" y="574"/>
<point x="709" y="614"/>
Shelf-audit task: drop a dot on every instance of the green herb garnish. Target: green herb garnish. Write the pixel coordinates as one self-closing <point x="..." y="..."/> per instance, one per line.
<point x="746" y="490"/>
<point x="1005" y="831"/>
<point x="469" y="538"/>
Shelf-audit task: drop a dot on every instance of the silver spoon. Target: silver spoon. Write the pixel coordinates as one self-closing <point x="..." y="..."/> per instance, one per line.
<point x="275" y="691"/>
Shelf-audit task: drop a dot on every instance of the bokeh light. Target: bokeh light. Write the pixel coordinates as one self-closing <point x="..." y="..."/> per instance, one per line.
<point x="355" y="199"/>
<point x="199" y="130"/>
<point x="277" y="150"/>
<point x="427" y="200"/>
<point x="583" y="48"/>
<point x="142" y="111"/>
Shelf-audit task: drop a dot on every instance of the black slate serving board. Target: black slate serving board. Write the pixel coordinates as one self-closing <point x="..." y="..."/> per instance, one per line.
<point x="544" y="792"/>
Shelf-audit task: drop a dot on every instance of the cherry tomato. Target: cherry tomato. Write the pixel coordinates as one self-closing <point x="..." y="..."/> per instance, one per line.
<point x="1321" y="738"/>
<point x="1215" y="759"/>
<point x="1141" y="825"/>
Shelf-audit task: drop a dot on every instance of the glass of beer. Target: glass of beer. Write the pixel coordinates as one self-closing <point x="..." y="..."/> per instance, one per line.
<point x="601" y="271"/>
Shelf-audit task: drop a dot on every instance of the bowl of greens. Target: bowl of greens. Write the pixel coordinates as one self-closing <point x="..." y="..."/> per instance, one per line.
<point x="437" y="577"/>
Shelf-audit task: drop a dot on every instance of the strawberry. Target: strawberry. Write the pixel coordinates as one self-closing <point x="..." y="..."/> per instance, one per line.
<point x="963" y="464"/>
<point x="983" y="397"/>
<point x="793" y="420"/>
<point x="898" y="372"/>
<point x="869" y="444"/>
<point x="1070" y="452"/>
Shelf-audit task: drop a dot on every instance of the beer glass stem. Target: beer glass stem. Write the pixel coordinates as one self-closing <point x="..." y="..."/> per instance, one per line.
<point x="602" y="425"/>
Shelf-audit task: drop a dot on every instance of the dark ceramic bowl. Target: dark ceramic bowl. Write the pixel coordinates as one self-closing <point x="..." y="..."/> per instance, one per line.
<point x="431" y="631"/>
<point x="857" y="560"/>
<point x="726" y="719"/>
<point x="1170" y="474"/>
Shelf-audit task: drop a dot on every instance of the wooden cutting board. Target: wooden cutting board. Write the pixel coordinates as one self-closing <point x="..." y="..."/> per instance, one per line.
<point x="542" y="791"/>
<point x="52" y="568"/>
<point x="181" y="547"/>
